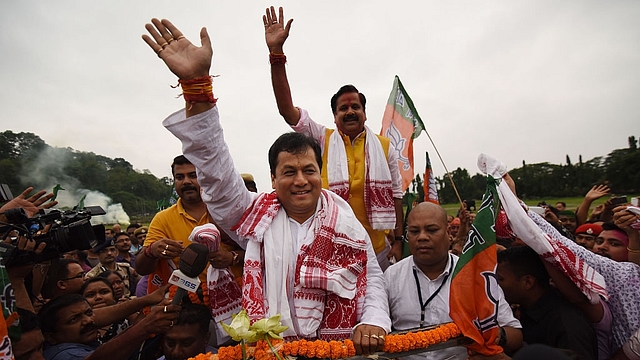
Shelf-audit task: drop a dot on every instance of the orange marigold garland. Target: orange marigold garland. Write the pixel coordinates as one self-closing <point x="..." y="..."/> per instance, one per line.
<point x="206" y="356"/>
<point x="393" y="343"/>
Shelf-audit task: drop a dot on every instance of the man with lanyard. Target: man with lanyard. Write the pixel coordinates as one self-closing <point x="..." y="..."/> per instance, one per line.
<point x="358" y="164"/>
<point x="418" y="286"/>
<point x="307" y="257"/>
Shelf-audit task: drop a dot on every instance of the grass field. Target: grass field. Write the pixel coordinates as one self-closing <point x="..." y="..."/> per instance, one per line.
<point x="572" y="203"/>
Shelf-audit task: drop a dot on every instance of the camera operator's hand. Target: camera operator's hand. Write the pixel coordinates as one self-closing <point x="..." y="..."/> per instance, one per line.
<point x="27" y="244"/>
<point x="18" y="273"/>
<point x="31" y="204"/>
<point x="24" y="243"/>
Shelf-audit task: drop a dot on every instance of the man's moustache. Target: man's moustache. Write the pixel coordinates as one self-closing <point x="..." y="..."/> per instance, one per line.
<point x="88" y="328"/>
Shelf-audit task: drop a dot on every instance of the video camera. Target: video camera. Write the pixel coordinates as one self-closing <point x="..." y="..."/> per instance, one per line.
<point x="62" y="231"/>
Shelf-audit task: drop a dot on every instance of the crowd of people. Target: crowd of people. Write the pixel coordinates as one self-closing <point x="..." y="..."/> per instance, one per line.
<point x="323" y="250"/>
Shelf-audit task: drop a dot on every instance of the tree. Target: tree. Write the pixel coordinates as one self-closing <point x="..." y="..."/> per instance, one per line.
<point x="633" y="143"/>
<point x="621" y="168"/>
<point x="466" y="187"/>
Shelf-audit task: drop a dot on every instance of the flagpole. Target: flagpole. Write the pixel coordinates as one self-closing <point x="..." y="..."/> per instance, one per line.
<point x="445" y="167"/>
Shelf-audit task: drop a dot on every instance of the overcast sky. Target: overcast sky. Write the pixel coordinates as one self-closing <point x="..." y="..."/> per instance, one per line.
<point x="520" y="80"/>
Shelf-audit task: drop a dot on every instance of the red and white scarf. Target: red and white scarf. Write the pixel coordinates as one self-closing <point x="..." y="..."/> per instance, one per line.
<point x="378" y="189"/>
<point x="329" y="279"/>
<point x="225" y="295"/>
<point x="588" y="280"/>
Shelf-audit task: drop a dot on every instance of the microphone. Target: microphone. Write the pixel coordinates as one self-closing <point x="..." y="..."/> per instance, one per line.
<point x="207" y="235"/>
<point x="193" y="260"/>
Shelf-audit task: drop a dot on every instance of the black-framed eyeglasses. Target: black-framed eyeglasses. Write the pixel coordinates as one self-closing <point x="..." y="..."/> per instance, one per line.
<point x="79" y="276"/>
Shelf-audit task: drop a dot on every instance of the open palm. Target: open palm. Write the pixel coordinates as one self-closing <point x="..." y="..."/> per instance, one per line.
<point x="275" y="30"/>
<point x="183" y="58"/>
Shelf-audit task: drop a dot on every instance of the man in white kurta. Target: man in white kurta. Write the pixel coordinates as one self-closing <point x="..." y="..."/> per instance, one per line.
<point x="227" y="199"/>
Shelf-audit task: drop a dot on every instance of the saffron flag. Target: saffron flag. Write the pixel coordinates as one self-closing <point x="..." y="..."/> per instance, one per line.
<point x="473" y="303"/>
<point x="401" y="124"/>
<point x="429" y="184"/>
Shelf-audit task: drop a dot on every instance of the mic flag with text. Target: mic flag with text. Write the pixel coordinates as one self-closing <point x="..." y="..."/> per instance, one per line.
<point x="401" y="124"/>
<point x="473" y="298"/>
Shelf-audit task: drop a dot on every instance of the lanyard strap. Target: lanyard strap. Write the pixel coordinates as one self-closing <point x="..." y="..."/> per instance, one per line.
<point x="423" y="306"/>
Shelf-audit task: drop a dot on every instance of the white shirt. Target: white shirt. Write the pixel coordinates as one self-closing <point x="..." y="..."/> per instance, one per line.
<point x="227" y="198"/>
<point x="405" y="307"/>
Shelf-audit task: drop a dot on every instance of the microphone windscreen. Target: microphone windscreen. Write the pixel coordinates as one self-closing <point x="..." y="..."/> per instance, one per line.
<point x="207" y="235"/>
<point x="194" y="260"/>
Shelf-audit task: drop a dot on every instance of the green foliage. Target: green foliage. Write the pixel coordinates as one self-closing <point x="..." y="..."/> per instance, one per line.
<point x="621" y="167"/>
<point x="466" y="186"/>
<point x="26" y="160"/>
<point x="545" y="180"/>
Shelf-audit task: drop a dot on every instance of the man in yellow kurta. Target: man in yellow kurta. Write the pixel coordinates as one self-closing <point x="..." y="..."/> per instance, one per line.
<point x="357" y="164"/>
<point x="169" y="230"/>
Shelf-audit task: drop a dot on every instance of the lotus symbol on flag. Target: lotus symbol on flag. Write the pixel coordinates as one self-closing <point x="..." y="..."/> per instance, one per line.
<point x="398" y="143"/>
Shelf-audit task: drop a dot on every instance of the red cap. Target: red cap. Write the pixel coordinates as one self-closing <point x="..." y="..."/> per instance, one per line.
<point x="590" y="229"/>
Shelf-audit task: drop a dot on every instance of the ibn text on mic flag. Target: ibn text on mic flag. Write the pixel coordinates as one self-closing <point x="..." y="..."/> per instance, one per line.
<point x="401" y="124"/>
<point x="473" y="304"/>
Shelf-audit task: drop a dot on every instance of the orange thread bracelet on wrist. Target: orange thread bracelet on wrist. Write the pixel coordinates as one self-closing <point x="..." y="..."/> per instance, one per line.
<point x="633" y="251"/>
<point x="277" y="59"/>
<point x="197" y="90"/>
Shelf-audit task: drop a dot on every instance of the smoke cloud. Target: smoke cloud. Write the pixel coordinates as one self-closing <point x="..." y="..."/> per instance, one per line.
<point x="46" y="172"/>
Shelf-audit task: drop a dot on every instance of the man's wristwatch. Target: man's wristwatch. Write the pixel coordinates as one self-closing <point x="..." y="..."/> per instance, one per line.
<point x="236" y="258"/>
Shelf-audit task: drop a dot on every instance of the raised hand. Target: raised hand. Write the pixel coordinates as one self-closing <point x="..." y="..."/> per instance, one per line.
<point x="184" y="59"/>
<point x="275" y="30"/>
<point x="31" y="204"/>
<point x="596" y="192"/>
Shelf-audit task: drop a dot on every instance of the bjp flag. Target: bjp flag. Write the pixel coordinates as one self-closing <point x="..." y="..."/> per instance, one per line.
<point x="429" y="184"/>
<point x="401" y="124"/>
<point x="473" y="303"/>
